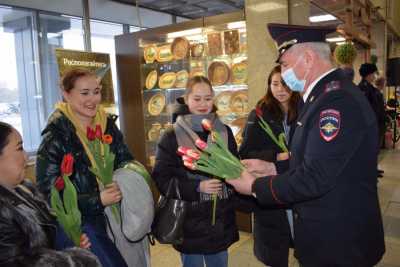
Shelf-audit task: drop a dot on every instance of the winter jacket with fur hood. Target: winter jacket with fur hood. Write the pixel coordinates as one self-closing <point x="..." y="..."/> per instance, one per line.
<point x="28" y="233"/>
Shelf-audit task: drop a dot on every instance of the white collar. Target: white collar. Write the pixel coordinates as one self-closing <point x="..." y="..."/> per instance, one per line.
<point x="312" y="85"/>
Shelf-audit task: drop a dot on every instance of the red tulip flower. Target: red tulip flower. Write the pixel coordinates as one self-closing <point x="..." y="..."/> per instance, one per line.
<point x="90" y="134"/>
<point x="59" y="184"/>
<point x="201" y="144"/>
<point x="259" y="112"/>
<point x="189" y="165"/>
<point x="99" y="132"/>
<point x="67" y="165"/>
<point x="207" y="125"/>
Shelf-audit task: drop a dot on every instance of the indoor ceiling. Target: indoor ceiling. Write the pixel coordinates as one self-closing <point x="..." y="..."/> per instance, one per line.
<point x="190" y="9"/>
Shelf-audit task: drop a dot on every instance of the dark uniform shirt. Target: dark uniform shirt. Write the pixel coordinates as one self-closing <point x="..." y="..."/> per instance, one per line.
<point x="332" y="178"/>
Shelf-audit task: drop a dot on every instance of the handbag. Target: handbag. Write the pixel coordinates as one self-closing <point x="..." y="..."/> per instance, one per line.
<point x="170" y="213"/>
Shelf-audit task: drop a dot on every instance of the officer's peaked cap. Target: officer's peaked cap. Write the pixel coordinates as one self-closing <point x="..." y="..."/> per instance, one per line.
<point x="286" y="35"/>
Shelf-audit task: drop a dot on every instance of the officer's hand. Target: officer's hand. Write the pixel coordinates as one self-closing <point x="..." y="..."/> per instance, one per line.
<point x="259" y="168"/>
<point x="282" y="156"/>
<point x="243" y="184"/>
<point x="211" y="186"/>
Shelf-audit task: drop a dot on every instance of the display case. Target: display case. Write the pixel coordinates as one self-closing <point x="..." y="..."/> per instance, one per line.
<point x="155" y="65"/>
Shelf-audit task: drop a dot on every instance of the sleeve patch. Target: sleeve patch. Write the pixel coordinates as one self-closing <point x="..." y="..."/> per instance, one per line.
<point x="329" y="124"/>
<point x="332" y="86"/>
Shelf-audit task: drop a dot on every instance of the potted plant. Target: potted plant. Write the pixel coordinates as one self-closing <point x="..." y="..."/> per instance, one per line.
<point x="345" y="55"/>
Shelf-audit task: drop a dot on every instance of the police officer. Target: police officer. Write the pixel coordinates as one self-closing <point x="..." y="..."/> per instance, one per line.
<point x="332" y="179"/>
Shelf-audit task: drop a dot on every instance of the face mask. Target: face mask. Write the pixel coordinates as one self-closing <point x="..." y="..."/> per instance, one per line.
<point x="292" y="81"/>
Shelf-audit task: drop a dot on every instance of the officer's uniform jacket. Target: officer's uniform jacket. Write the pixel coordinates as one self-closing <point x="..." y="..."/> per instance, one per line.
<point x="332" y="180"/>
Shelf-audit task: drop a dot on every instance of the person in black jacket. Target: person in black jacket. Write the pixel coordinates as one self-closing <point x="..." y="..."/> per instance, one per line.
<point x="331" y="182"/>
<point x="66" y="133"/>
<point x="368" y="72"/>
<point x="203" y="240"/>
<point x="272" y="226"/>
<point x="29" y="233"/>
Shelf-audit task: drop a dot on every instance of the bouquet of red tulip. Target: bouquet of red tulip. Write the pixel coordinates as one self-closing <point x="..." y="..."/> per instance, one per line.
<point x="214" y="158"/>
<point x="280" y="141"/>
<point x="103" y="168"/>
<point x="67" y="211"/>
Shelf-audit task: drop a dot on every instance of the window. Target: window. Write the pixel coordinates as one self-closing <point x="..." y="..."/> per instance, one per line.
<point x="134" y="29"/>
<point x="56" y="31"/>
<point x="20" y="101"/>
<point x="102" y="41"/>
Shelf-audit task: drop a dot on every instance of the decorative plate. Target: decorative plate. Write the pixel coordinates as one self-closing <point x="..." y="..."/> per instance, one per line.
<point x="151" y="79"/>
<point x="167" y="80"/>
<point x="239" y="72"/>
<point x="218" y="73"/>
<point x="239" y="102"/>
<point x="181" y="78"/>
<point x="214" y="44"/>
<point x="156" y="104"/>
<point x="222" y="102"/>
<point x="231" y="42"/>
<point x="150" y="53"/>
<point x="180" y="47"/>
<point x="197" y="50"/>
<point x="154" y="133"/>
<point x="164" y="53"/>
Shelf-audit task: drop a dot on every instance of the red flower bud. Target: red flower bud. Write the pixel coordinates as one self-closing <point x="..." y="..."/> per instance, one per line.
<point x="259" y="112"/>
<point x="90" y="134"/>
<point x="107" y="139"/>
<point x="99" y="132"/>
<point x="189" y="165"/>
<point x="187" y="158"/>
<point x="193" y="154"/>
<point x="59" y="184"/>
<point x="201" y="144"/>
<point x="67" y="165"/>
<point x="182" y="150"/>
<point x="207" y="125"/>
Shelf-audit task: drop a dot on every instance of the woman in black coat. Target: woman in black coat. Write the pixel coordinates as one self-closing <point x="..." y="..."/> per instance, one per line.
<point x="202" y="240"/>
<point x="29" y="233"/>
<point x="272" y="230"/>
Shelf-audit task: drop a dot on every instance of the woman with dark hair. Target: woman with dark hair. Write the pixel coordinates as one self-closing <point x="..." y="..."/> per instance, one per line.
<point x="203" y="241"/>
<point x="66" y="132"/>
<point x="29" y="233"/>
<point x="272" y="226"/>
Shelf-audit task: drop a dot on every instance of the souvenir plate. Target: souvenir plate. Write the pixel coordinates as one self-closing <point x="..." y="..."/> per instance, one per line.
<point x="239" y="102"/>
<point x="151" y="79"/>
<point x="164" y="53"/>
<point x="154" y="133"/>
<point x="239" y="72"/>
<point x="167" y="80"/>
<point x="218" y="73"/>
<point x="150" y="53"/>
<point x="197" y="50"/>
<point x="214" y="44"/>
<point x="181" y="78"/>
<point x="231" y="42"/>
<point x="222" y="102"/>
<point x="156" y="104"/>
<point x="180" y="47"/>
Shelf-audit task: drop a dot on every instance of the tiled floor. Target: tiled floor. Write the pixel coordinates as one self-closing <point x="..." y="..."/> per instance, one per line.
<point x="241" y="253"/>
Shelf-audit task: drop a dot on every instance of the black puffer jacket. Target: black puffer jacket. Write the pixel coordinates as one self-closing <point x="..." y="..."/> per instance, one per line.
<point x="59" y="138"/>
<point x="28" y="233"/>
<point x="200" y="236"/>
<point x="272" y="237"/>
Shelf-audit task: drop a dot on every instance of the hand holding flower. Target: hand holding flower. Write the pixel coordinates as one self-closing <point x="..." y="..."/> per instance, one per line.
<point x="259" y="168"/>
<point x="110" y="195"/>
<point x="212" y="186"/>
<point x="85" y="242"/>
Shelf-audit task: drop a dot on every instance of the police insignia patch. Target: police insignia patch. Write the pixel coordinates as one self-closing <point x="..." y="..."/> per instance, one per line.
<point x="332" y="86"/>
<point x="329" y="124"/>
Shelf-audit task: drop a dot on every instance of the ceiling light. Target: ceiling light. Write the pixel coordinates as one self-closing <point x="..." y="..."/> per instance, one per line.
<point x="184" y="33"/>
<point x="236" y="25"/>
<point x="335" y="39"/>
<point x="322" y="18"/>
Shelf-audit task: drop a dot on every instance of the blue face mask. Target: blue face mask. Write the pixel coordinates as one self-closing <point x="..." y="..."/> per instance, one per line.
<point x="291" y="79"/>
